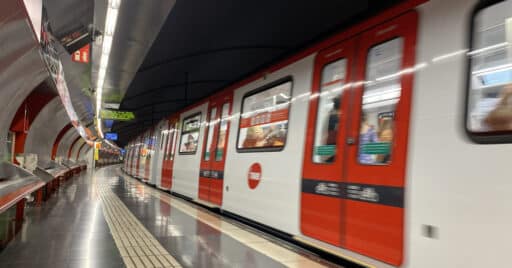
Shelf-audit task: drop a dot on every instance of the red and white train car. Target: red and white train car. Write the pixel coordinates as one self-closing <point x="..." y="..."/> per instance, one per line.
<point x="385" y="144"/>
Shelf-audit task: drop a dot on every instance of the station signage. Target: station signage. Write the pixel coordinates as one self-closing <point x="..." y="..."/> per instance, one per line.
<point x="82" y="55"/>
<point x="111" y="136"/>
<point x="108" y="123"/>
<point x="254" y="175"/>
<point x="117" y="115"/>
<point x="111" y="105"/>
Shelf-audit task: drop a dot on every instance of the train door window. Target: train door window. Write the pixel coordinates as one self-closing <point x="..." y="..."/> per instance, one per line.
<point x="221" y="139"/>
<point x="190" y="134"/>
<point x="489" y="107"/>
<point x="331" y="87"/>
<point x="210" y="130"/>
<point x="9" y="144"/>
<point x="169" y="135"/>
<point x="380" y="97"/>
<point x="174" y="139"/>
<point x="264" y="119"/>
<point x="163" y="139"/>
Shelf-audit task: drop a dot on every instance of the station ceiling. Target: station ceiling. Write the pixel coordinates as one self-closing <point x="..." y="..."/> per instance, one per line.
<point x="204" y="46"/>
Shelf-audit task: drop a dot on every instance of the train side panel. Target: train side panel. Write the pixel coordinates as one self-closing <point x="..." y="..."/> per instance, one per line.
<point x="186" y="164"/>
<point x="458" y="199"/>
<point x="274" y="200"/>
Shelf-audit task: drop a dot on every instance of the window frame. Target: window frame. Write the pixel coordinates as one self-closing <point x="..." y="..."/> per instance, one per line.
<point x="392" y="145"/>
<point x="230" y="106"/>
<point x="209" y="130"/>
<point x="181" y="133"/>
<point x="487" y="137"/>
<point x="166" y="145"/>
<point x="174" y="142"/>
<point x="253" y="92"/>
<point x="318" y="109"/>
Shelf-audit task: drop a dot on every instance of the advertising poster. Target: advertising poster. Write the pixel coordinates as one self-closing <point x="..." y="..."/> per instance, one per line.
<point x="264" y="120"/>
<point x="190" y="134"/>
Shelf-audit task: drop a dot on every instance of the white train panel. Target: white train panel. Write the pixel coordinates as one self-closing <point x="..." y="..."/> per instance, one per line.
<point x="185" y="179"/>
<point x="275" y="200"/>
<point x="457" y="188"/>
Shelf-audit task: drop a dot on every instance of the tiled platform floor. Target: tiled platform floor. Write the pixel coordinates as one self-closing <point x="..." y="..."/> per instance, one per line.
<point x="108" y="219"/>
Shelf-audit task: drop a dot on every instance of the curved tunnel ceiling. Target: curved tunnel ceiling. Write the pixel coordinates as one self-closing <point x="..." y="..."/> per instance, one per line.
<point x="65" y="18"/>
<point x="204" y="46"/>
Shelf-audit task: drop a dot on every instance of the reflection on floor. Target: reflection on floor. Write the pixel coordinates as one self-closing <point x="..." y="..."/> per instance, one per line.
<point x="107" y="219"/>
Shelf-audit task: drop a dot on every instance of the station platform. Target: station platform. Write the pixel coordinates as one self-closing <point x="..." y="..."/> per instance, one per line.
<point x="105" y="218"/>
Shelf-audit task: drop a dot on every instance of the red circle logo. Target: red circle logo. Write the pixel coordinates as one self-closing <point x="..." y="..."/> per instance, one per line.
<point x="254" y="175"/>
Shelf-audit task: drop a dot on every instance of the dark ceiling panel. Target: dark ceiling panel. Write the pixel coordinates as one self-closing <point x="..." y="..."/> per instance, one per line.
<point x="69" y="16"/>
<point x="206" y="45"/>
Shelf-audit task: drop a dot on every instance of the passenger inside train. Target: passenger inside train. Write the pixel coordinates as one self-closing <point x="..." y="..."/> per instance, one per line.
<point x="500" y="117"/>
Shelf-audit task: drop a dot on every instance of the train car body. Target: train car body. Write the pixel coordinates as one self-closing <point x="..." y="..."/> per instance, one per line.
<point x="369" y="144"/>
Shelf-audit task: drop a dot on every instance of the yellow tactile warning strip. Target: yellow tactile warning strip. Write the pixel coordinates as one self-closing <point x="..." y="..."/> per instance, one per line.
<point x="137" y="246"/>
<point x="277" y="252"/>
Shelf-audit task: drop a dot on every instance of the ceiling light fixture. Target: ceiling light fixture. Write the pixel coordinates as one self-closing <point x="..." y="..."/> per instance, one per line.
<point x="108" y="37"/>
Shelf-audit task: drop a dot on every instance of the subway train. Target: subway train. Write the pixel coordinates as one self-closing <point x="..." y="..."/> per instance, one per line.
<point x="386" y="143"/>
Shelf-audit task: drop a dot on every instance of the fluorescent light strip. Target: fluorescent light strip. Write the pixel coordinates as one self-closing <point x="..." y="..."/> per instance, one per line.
<point x="402" y="72"/>
<point x="481" y="50"/>
<point x="110" y="24"/>
<point x="108" y="37"/>
<point x="449" y="55"/>
<point x="499" y="68"/>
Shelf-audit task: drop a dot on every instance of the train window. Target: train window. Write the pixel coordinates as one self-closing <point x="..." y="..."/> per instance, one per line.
<point x="210" y="130"/>
<point x="9" y="143"/>
<point x="190" y="134"/>
<point x="221" y="140"/>
<point x="173" y="140"/>
<point x="326" y="131"/>
<point x="264" y="119"/>
<point x="169" y="136"/>
<point x="380" y="97"/>
<point x="489" y="106"/>
<point x="162" y="137"/>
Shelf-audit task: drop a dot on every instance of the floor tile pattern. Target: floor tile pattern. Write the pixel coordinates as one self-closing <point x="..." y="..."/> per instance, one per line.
<point x="137" y="246"/>
<point x="216" y="228"/>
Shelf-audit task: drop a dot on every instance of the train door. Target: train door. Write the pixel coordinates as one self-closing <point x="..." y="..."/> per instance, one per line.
<point x="169" y="150"/>
<point x="133" y="164"/>
<point x="148" y="155"/>
<point x="211" y="175"/>
<point x="161" y="135"/>
<point x="142" y="156"/>
<point x="158" y="151"/>
<point x="129" y="158"/>
<point x="126" y="158"/>
<point x="136" y="155"/>
<point x="355" y="155"/>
